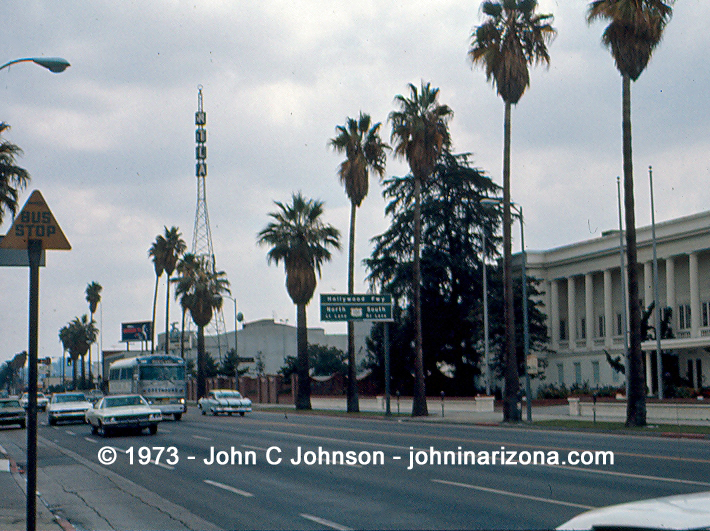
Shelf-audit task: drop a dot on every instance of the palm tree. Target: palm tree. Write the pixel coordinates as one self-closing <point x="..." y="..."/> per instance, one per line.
<point x="301" y="240"/>
<point x="76" y="337"/>
<point x="512" y="37"/>
<point x="200" y="288"/>
<point x="93" y="297"/>
<point x="12" y="177"/>
<point x="420" y="133"/>
<point x="635" y="29"/>
<point x="174" y="248"/>
<point x="158" y="251"/>
<point x="364" y="151"/>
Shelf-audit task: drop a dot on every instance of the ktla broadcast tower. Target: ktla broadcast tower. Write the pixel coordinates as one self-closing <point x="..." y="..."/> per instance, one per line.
<point x="202" y="236"/>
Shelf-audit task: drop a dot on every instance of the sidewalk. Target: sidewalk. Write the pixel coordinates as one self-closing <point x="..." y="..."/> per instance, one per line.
<point x="13" y="501"/>
<point x="463" y="410"/>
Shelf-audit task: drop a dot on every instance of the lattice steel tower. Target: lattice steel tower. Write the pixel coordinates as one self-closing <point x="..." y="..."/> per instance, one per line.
<point x="202" y="236"/>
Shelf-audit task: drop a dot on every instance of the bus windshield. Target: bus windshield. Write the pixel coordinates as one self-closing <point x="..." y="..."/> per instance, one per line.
<point x="162" y="372"/>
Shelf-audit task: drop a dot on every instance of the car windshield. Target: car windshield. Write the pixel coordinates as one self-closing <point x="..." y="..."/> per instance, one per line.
<point x="74" y="397"/>
<point x="121" y="401"/>
<point x="162" y="372"/>
<point x="9" y="404"/>
<point x="228" y="394"/>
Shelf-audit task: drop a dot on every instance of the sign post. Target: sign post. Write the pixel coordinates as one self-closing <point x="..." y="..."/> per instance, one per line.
<point x="369" y="307"/>
<point x="35" y="230"/>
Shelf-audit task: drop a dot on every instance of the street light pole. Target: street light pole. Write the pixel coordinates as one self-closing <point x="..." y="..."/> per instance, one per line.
<point x="659" y="355"/>
<point x="486" y="347"/>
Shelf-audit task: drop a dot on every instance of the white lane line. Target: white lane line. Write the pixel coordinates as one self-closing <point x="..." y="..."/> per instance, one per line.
<point x="91" y="440"/>
<point x="2" y="450"/>
<point x="254" y="448"/>
<point x="513" y="494"/>
<point x="163" y="465"/>
<point x="200" y="437"/>
<point x="4" y="465"/>
<point x="323" y="521"/>
<point x="632" y="476"/>
<point x="229" y="488"/>
<point x="346" y="441"/>
<point x="69" y="432"/>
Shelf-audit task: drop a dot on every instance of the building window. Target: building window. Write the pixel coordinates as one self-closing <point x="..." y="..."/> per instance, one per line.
<point x="706" y="314"/>
<point x="619" y="325"/>
<point x="595" y="372"/>
<point x="602" y="327"/>
<point x="684" y="316"/>
<point x="691" y="378"/>
<point x="699" y="371"/>
<point x="561" y="374"/>
<point x="583" y="328"/>
<point x="578" y="373"/>
<point x="563" y="330"/>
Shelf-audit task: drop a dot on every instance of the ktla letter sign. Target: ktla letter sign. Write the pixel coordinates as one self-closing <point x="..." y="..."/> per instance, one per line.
<point x="35" y="222"/>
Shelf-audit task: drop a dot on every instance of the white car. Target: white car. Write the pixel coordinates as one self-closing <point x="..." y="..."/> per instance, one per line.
<point x="67" y="406"/>
<point x="224" y="401"/>
<point x="118" y="412"/>
<point x="685" y="511"/>
<point x="42" y="401"/>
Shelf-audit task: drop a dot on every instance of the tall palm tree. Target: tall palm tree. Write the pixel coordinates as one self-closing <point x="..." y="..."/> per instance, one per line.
<point x="200" y="289"/>
<point x="93" y="297"/>
<point x="635" y="29"/>
<point x="175" y="246"/>
<point x="420" y="134"/>
<point x="76" y="337"/>
<point x="512" y="37"/>
<point x="364" y="151"/>
<point x="158" y="252"/>
<point x="301" y="240"/>
<point x="66" y="340"/>
<point x="12" y="177"/>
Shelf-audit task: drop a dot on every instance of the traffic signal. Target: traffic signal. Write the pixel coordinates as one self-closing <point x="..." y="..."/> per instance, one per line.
<point x="68" y="362"/>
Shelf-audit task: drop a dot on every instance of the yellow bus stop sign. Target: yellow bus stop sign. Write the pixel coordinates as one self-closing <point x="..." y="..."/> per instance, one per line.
<point x="35" y="222"/>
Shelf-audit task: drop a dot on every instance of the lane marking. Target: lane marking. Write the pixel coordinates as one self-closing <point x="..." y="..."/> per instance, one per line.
<point x="200" y="437"/>
<point x="323" y="521"/>
<point x="633" y="476"/>
<point x="332" y="439"/>
<point x="91" y="440"/>
<point x="513" y="494"/>
<point x="229" y="488"/>
<point x="4" y="465"/>
<point x="69" y="432"/>
<point x="163" y="465"/>
<point x="254" y="448"/>
<point x="2" y="450"/>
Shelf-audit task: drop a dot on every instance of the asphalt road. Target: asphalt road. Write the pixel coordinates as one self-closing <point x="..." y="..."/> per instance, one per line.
<point x="397" y="494"/>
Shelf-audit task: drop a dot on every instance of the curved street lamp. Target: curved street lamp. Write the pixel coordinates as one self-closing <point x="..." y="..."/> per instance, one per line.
<point x="53" y="64"/>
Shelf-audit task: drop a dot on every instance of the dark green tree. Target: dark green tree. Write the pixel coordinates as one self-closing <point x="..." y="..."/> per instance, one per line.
<point x="13" y="179"/>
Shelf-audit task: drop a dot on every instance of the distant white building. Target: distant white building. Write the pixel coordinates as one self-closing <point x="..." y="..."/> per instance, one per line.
<point x="266" y="342"/>
<point x="584" y="304"/>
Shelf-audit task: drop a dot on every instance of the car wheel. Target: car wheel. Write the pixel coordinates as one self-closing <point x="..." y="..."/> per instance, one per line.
<point x="153" y="429"/>
<point x="204" y="412"/>
<point x="23" y="425"/>
<point x="178" y="416"/>
<point x="214" y="412"/>
<point x="94" y="430"/>
<point x="103" y="430"/>
<point x="52" y="421"/>
<point x="241" y="413"/>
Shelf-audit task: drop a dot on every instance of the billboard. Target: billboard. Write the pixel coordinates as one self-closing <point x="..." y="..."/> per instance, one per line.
<point x="140" y="331"/>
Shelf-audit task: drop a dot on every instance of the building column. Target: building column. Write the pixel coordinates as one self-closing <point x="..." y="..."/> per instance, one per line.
<point x="694" y="296"/>
<point x="571" y="313"/>
<point x="649" y="373"/>
<point x="608" y="309"/>
<point x="555" y="314"/>
<point x="670" y="290"/>
<point x="589" y="309"/>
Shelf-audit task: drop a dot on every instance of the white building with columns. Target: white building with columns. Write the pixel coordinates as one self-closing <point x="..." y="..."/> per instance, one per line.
<point x="584" y="303"/>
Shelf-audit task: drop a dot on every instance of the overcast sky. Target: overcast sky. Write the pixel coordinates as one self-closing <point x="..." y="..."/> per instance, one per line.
<point x="110" y="143"/>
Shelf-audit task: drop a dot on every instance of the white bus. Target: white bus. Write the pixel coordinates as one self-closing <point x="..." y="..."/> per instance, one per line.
<point x="160" y="379"/>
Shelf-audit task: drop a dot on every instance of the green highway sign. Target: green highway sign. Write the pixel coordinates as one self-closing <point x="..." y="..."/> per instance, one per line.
<point x="343" y="307"/>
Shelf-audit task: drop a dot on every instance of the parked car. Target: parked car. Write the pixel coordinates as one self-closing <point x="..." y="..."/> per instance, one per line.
<point x="11" y="412"/>
<point x="685" y="511"/>
<point x="42" y="401"/>
<point x="116" y="412"/>
<point x="67" y="406"/>
<point x="224" y="401"/>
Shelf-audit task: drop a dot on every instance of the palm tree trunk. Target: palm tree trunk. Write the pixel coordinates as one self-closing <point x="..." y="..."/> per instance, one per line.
<point x="83" y="371"/>
<point x="419" y="406"/>
<point x="167" y="317"/>
<point x="91" y="377"/>
<point x="512" y="382"/>
<point x="74" y="376"/>
<point x="636" y="401"/>
<point x="201" y="363"/>
<point x="152" y="327"/>
<point x="303" y="393"/>
<point x="353" y="402"/>
<point x="182" y="335"/>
